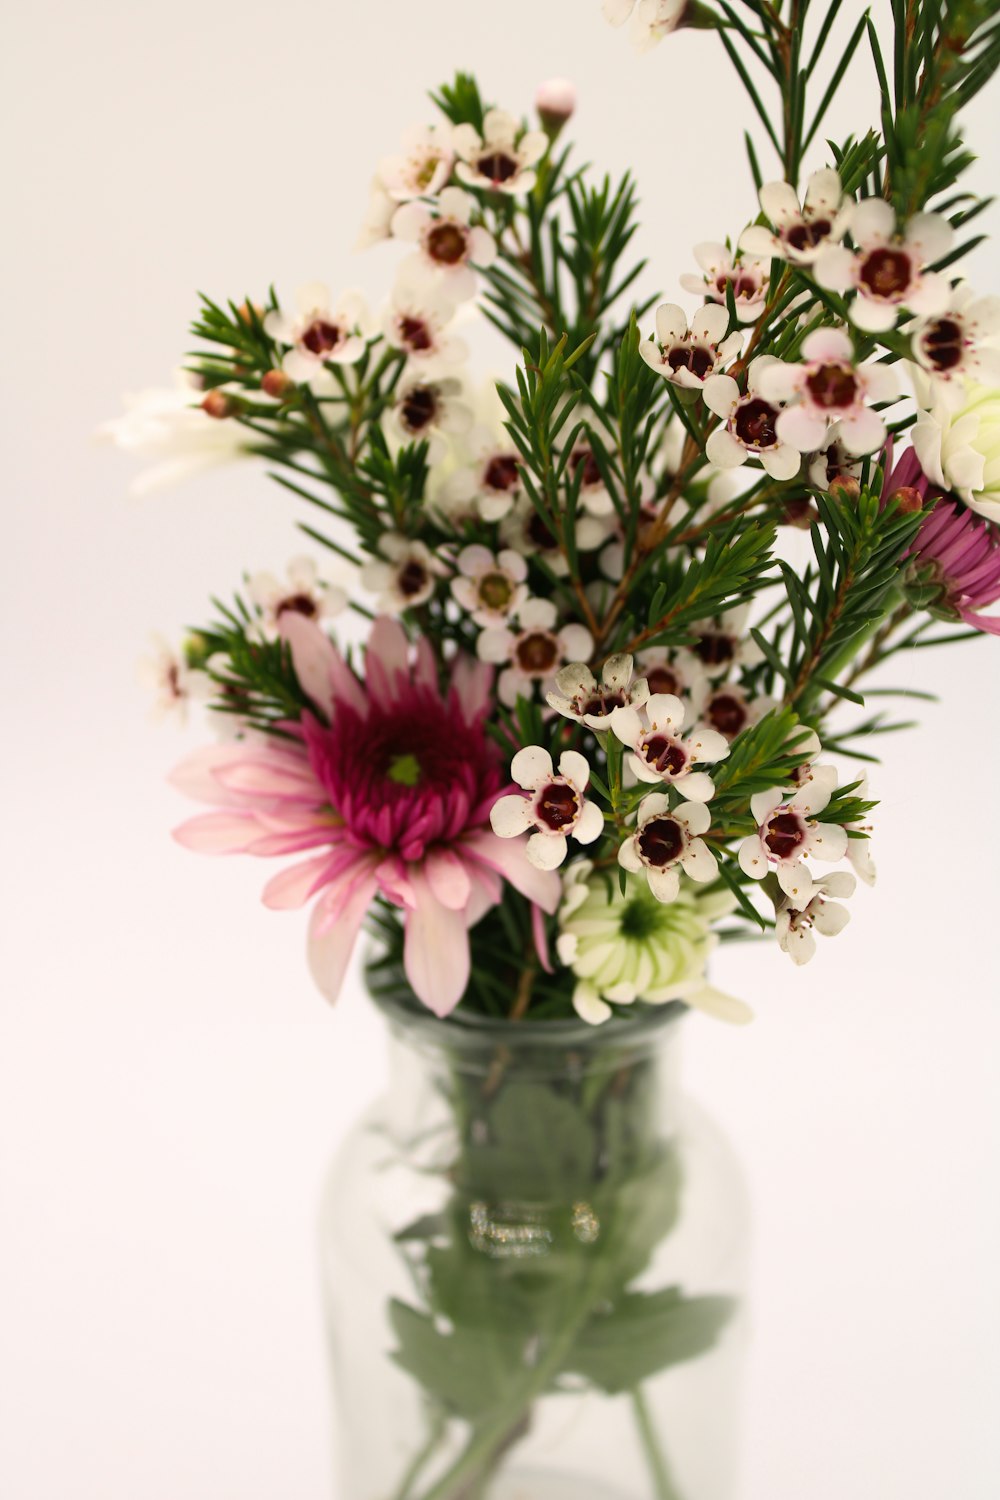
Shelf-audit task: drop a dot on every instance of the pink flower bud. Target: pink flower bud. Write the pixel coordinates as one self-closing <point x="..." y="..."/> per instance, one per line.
<point x="555" y="102"/>
<point x="218" y="404"/>
<point x="276" y="383"/>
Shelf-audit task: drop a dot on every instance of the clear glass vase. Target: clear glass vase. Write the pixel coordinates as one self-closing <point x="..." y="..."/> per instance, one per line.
<point x="533" y="1256"/>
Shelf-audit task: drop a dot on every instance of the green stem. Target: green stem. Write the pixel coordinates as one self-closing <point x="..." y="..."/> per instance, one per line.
<point x="663" y="1484"/>
<point x="422" y="1458"/>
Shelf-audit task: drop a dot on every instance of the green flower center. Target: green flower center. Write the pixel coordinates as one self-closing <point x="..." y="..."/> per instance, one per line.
<point x="641" y="918"/>
<point x="404" y="769"/>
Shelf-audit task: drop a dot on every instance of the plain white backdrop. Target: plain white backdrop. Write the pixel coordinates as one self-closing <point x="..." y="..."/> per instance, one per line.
<point x="171" y="1088"/>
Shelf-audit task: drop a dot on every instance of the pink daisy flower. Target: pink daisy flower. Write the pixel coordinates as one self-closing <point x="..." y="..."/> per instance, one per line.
<point x="392" y="790"/>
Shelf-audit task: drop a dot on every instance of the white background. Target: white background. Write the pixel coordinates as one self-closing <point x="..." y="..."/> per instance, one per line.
<point x="170" y="1087"/>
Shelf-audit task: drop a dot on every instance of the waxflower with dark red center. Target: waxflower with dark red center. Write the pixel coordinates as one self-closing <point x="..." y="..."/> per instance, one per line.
<point x="303" y="592"/>
<point x="722" y="270"/>
<point x="801" y="231"/>
<point x="449" y="244"/>
<point x="555" y="806"/>
<point x="665" y="672"/>
<point x="490" y="586"/>
<point x="502" y="158"/>
<point x="428" y="408"/>
<point x="524" y="529"/>
<point x="958" y="345"/>
<point x="750" y="424"/>
<point x="686" y="355"/>
<point x="727" y="707"/>
<point x="423" y="166"/>
<point x="407" y="577"/>
<point x="794" y="926"/>
<point x="666" y="841"/>
<point x="827" y="388"/>
<point x="319" y="333"/>
<point x="532" y="648"/>
<point x="888" y="271"/>
<point x="581" y="697"/>
<point x="718" y="646"/>
<point x="417" y="321"/>
<point x="653" y="734"/>
<point x="788" y="833"/>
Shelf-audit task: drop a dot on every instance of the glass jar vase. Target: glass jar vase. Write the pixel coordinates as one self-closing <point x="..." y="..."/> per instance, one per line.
<point x="533" y="1256"/>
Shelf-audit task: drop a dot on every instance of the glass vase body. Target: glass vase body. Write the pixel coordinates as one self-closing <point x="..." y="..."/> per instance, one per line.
<point x="533" y="1260"/>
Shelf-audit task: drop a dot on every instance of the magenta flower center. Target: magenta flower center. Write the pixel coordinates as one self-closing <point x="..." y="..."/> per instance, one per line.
<point x="807" y="235"/>
<point x="754" y="423"/>
<point x="537" y="653"/>
<point x="557" y="806"/>
<point x="832" y="386"/>
<point x="665" y="755"/>
<point x="943" y="344"/>
<point x="661" y="842"/>
<point x="446" y="244"/>
<point x="886" y="272"/>
<point x="322" y="336"/>
<point x="785" y="834"/>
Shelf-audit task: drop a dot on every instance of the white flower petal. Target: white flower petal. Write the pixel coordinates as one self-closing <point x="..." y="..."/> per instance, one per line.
<point x="546" y="851"/>
<point x="575" y="768"/>
<point x="531" y="767"/>
<point x="510" y="816"/>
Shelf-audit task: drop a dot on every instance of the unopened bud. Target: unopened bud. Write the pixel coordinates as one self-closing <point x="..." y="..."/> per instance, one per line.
<point x="276" y="383"/>
<point x="908" y="499"/>
<point x="249" y="311"/>
<point x="845" y="485"/>
<point x="218" y="404"/>
<point x="555" y="101"/>
<point x="800" y="513"/>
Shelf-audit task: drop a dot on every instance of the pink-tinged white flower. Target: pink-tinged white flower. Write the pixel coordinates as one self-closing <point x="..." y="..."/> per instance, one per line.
<point x="667" y="841"/>
<point x="169" y="426"/>
<point x="794" y="927"/>
<point x="831" y="461"/>
<point x="449" y="244"/>
<point x="580" y="696"/>
<point x="428" y="408"/>
<point x="959" y="449"/>
<point x="488" y="485"/>
<point x="750" y="424"/>
<point x="405" y="576"/>
<point x="653" y="734"/>
<point x="555" y="101"/>
<point x="719" y="645"/>
<point x="801" y="231"/>
<point x="722" y="269"/>
<point x="555" y="806"/>
<point x="686" y="355"/>
<point x="174" y="684"/>
<point x="423" y="166"/>
<point x="788" y="833"/>
<point x="501" y="159"/>
<point x="390" y="795"/>
<point x="490" y="586"/>
<point x="665" y="672"/>
<point x="955" y="564"/>
<point x="887" y="271"/>
<point x="532" y="648"/>
<point x="726" y="707"/>
<point x="377" y="222"/>
<point x="302" y="591"/>
<point x="592" y="494"/>
<point x="959" y="345"/>
<point x="826" y="388"/>
<point x="651" y="20"/>
<point x="524" y="529"/>
<point x="417" y="321"/>
<point x="318" y="332"/>
<point x="859" y="850"/>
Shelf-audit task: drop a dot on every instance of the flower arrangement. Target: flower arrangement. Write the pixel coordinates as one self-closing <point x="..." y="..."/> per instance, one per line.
<point x="605" y="713"/>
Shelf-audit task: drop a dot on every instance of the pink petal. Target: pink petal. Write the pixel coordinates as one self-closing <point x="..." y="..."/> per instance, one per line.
<point x="218" y="833"/>
<point x="255" y="779"/>
<point x="387" y="657"/>
<point x="507" y="856"/>
<point x="448" y="878"/>
<point x="293" y="887"/>
<point x="471" y="680"/>
<point x="313" y="657"/>
<point x="332" y="941"/>
<point x="435" y="949"/>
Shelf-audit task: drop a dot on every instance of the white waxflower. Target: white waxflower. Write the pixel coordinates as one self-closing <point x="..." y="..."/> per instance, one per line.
<point x="377" y="222"/>
<point x="666" y="841"/>
<point x="959" y="449"/>
<point x="750" y="424"/>
<point x="630" y="947"/>
<point x="319" y="332"/>
<point x="490" y="483"/>
<point x="502" y="158"/>
<point x="449" y="244"/>
<point x="532" y="648"/>
<point x="169" y="426"/>
<point x="651" y="20"/>
<point x="523" y="529"/>
<point x="859" y="851"/>
<point x="826" y="388"/>
<point x="686" y="355"/>
<point x="801" y="231"/>
<point x="720" y="268"/>
<point x="428" y="408"/>
<point x="888" y="272"/>
<point x="422" y="168"/>
<point x="592" y="494"/>
<point x="417" y="320"/>
<point x="301" y="592"/>
<point x="958" y="345"/>
<point x="406" y="578"/>
<point x="787" y="832"/>
<point x="718" y="646"/>
<point x="579" y="696"/>
<point x="831" y="461"/>
<point x="173" y="684"/>
<point x="659" y="753"/>
<point x="555" y="806"/>
<point x="490" y="586"/>
<point x="793" y="927"/>
<point x="726" y="707"/>
<point x="665" y="672"/>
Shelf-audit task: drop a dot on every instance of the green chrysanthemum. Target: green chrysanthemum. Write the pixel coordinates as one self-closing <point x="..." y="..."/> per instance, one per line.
<point x="633" y="947"/>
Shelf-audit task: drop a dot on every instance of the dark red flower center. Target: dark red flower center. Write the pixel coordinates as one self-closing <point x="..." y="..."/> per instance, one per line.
<point x="537" y="653"/>
<point x="663" y="679"/>
<point x="419" y="407"/>
<point x="694" y="357"/>
<point x="664" y="754"/>
<point x="496" y="590"/>
<point x="584" y="458"/>
<point x="298" y="604"/>
<point x="754" y="423"/>
<point x="942" y="343"/>
<point x="886" y="272"/>
<point x="322" y="336"/>
<point x="833" y="385"/>
<point x="557" y="806"/>
<point x="715" y="648"/>
<point x="501" y="473"/>
<point x="412" y="578"/>
<point x="743" y="285"/>
<point x="785" y="833"/>
<point x="602" y="702"/>
<point x="539" y="532"/>
<point x="446" y="243"/>
<point x="727" y="713"/>
<point x="415" y="334"/>
<point x="808" y="235"/>
<point x="661" y="842"/>
<point x="498" y="166"/>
